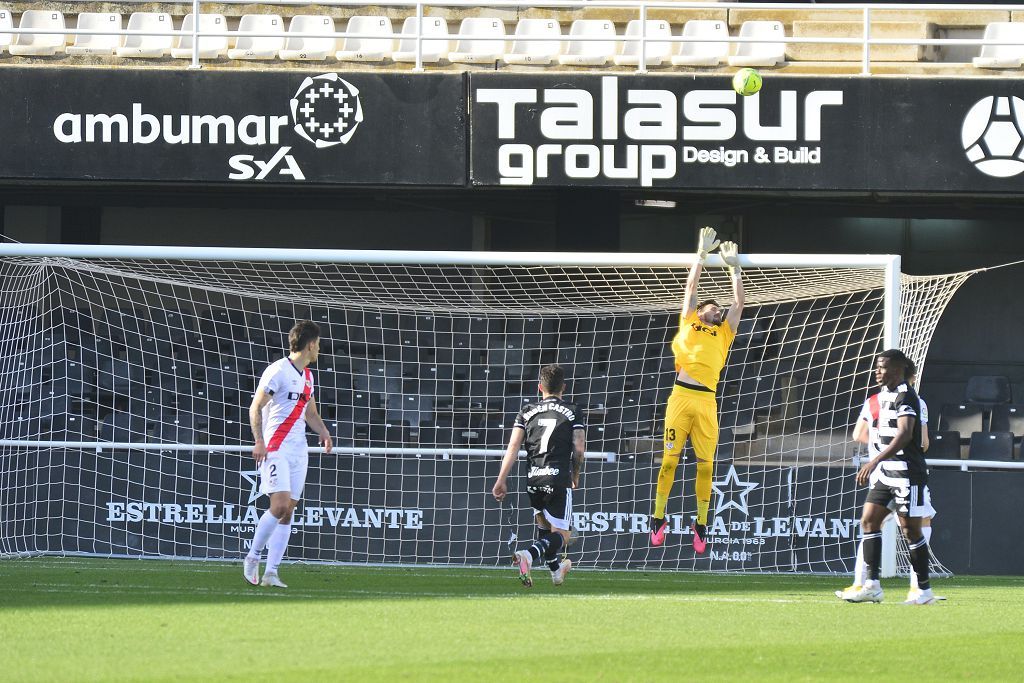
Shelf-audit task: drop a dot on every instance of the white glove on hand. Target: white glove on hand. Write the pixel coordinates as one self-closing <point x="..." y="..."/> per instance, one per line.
<point x="707" y="243"/>
<point x="729" y="254"/>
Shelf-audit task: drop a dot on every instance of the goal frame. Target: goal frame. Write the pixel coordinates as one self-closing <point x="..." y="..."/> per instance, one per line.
<point x="889" y="263"/>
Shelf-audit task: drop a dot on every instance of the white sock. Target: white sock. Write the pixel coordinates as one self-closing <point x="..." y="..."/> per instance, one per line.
<point x="871" y="583"/>
<point x="860" y="569"/>
<point x="263" y="531"/>
<point x="276" y="547"/>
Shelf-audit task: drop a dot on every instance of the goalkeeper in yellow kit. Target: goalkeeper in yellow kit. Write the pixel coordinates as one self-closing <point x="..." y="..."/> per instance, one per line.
<point x="700" y="348"/>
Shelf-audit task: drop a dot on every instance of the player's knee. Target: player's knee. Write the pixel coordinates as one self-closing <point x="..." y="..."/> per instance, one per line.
<point x="281" y="510"/>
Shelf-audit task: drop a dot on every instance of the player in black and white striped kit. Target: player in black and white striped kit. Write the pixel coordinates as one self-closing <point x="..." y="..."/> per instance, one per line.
<point x="553" y="433"/>
<point x="896" y="474"/>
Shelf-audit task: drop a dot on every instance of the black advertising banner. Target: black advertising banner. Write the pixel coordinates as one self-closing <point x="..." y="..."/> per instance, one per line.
<point x="232" y="126"/>
<point x="438" y="510"/>
<point x="409" y="509"/>
<point x="798" y="133"/>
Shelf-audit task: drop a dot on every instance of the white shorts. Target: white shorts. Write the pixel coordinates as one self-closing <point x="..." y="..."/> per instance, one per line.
<point x="284" y="471"/>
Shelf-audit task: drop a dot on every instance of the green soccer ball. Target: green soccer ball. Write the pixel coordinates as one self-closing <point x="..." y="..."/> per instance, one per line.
<point x="746" y="82"/>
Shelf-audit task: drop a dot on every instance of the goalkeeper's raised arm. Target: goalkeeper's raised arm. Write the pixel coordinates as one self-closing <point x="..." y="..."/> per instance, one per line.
<point x="730" y="254"/>
<point x="706" y="243"/>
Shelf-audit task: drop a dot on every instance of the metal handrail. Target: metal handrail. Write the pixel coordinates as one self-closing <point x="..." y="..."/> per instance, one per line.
<point x="866" y="41"/>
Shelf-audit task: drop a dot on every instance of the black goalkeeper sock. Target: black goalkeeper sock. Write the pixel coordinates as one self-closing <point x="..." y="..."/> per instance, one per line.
<point x="919" y="561"/>
<point x="554" y="564"/>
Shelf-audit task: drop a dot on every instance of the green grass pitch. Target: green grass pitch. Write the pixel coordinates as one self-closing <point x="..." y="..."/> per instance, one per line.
<point x="79" y="619"/>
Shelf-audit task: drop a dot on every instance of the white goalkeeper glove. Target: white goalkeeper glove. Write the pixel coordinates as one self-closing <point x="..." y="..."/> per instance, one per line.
<point x="707" y="243"/>
<point x="729" y="254"/>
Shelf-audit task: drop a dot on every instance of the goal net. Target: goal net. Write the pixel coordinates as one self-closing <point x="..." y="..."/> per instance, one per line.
<point x="129" y="372"/>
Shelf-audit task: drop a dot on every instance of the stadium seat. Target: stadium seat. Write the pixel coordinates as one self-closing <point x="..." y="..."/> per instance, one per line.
<point x="148" y="46"/>
<point x="692" y="53"/>
<point x="961" y="418"/>
<point x="72" y="378"/>
<point x="301" y="46"/>
<point x="212" y="47"/>
<point x="590" y="52"/>
<point x="760" y="54"/>
<point x="97" y="44"/>
<point x="481" y="40"/>
<point x="354" y="49"/>
<point x="258" y="47"/>
<point x="656" y="54"/>
<point x="991" y="446"/>
<point x="6" y="21"/>
<point x="944" y="445"/>
<point x="1010" y="56"/>
<point x="1008" y="418"/>
<point x="528" y="49"/>
<point x="39" y="44"/>
<point x="987" y="390"/>
<point x="122" y="427"/>
<point x="432" y="51"/>
<point x="72" y="427"/>
<point x="174" y="428"/>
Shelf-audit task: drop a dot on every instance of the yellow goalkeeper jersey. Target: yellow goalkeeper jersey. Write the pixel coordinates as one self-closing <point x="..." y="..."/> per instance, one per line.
<point x="701" y="349"/>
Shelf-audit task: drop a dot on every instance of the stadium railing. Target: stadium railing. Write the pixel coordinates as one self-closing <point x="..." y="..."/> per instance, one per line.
<point x="866" y="11"/>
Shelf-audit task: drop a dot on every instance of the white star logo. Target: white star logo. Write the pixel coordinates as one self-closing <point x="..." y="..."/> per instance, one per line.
<point x="253" y="477"/>
<point x="732" y="493"/>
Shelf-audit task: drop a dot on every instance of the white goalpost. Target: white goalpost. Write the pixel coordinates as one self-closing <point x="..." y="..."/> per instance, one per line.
<point x="124" y="424"/>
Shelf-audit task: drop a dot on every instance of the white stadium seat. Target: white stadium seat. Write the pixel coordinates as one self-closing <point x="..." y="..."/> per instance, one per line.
<point x="760" y="54"/>
<point x="147" y="46"/>
<point x="6" y="21"/>
<point x="590" y="52"/>
<point x="526" y="49"/>
<point x="367" y="49"/>
<point x="265" y="47"/>
<point x="39" y="44"/>
<point x="1002" y="56"/>
<point x="212" y="47"/>
<point x="299" y="46"/>
<point x="482" y="41"/>
<point x="657" y="52"/>
<point x="97" y="44"/>
<point x="432" y="51"/>
<point x="691" y="53"/>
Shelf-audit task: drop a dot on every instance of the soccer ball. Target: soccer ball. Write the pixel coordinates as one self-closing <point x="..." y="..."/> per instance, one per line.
<point x="746" y="82"/>
<point x="993" y="136"/>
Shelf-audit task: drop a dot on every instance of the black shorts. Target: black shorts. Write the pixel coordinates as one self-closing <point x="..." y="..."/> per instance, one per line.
<point x="907" y="493"/>
<point x="554" y="502"/>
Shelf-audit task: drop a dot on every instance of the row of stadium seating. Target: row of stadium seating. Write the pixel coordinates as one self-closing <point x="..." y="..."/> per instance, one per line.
<point x="1001" y="446"/>
<point x="480" y="40"/>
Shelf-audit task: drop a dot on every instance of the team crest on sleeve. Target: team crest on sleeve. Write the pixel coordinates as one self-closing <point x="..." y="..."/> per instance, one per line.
<point x="326" y="110"/>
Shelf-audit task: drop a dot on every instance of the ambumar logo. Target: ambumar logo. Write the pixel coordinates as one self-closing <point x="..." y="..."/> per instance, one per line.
<point x="993" y="136"/>
<point x="325" y="111"/>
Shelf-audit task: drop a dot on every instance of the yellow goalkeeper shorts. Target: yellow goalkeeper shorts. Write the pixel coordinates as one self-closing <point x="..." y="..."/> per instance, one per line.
<point x="691" y="414"/>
